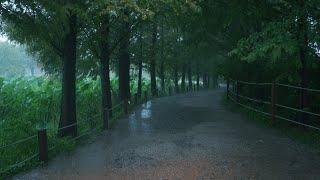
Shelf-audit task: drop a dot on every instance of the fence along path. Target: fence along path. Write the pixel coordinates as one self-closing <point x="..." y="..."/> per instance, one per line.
<point x="42" y="154"/>
<point x="234" y="95"/>
<point x="41" y="136"/>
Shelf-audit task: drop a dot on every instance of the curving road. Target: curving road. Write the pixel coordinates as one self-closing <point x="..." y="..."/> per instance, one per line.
<point x="188" y="136"/>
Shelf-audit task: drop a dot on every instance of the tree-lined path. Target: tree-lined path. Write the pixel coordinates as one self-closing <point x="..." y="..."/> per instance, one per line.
<point x="185" y="137"/>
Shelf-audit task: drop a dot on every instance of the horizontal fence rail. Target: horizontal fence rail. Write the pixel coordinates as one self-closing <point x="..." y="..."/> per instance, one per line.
<point x="234" y="95"/>
<point x="19" y="142"/>
<point x="297" y="87"/>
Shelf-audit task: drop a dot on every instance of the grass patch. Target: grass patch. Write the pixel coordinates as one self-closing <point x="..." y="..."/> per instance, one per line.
<point x="30" y="103"/>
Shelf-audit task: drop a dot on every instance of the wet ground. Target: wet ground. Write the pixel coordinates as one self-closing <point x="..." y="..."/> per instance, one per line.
<point x="188" y="136"/>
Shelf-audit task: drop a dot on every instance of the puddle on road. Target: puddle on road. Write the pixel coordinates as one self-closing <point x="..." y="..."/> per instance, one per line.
<point x="147" y="105"/>
<point x="145" y="113"/>
<point x="133" y="122"/>
<point x="146" y="110"/>
<point x="139" y="120"/>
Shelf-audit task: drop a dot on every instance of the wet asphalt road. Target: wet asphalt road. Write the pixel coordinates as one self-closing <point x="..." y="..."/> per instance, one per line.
<point x="188" y="136"/>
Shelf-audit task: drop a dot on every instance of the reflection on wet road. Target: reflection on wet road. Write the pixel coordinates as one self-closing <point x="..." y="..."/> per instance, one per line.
<point x="188" y="136"/>
<point x="140" y="119"/>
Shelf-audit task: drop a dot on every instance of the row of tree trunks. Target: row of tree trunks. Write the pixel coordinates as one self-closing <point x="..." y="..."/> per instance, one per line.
<point x="68" y="120"/>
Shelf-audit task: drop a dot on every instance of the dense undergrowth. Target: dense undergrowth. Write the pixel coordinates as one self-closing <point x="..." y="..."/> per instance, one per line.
<point x="29" y="104"/>
<point x="297" y="133"/>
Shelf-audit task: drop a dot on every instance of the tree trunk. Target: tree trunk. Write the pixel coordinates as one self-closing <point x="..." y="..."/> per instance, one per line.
<point x="303" y="47"/>
<point x="176" y="78"/>
<point x="162" y="75"/>
<point x="124" y="62"/>
<point x="190" y="78"/>
<point x="214" y="82"/>
<point x="68" y="119"/>
<point x="208" y="81"/>
<point x="105" y="73"/>
<point x="198" y="78"/>
<point x="140" y="67"/>
<point x="204" y="80"/>
<point x="153" y="61"/>
<point x="183" y="79"/>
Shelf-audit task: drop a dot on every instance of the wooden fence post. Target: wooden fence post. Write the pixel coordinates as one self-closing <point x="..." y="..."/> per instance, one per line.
<point x="228" y="85"/>
<point x="43" y="145"/>
<point x="273" y="102"/>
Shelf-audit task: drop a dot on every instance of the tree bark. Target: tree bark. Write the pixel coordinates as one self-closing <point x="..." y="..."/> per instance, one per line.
<point x="162" y="75"/>
<point x="190" y="77"/>
<point x="198" y="78"/>
<point x="124" y="62"/>
<point x="153" y="61"/>
<point x="208" y="81"/>
<point x="198" y="81"/>
<point x="183" y="79"/>
<point x="68" y="119"/>
<point x="176" y="78"/>
<point x="303" y="47"/>
<point x="140" y="67"/>
<point x="105" y="72"/>
<point x="204" y="80"/>
<point x="214" y="81"/>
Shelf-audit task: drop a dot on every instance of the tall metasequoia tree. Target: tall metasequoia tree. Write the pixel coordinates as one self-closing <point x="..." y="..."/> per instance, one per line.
<point x="51" y="31"/>
<point x="162" y="65"/>
<point x="153" y="60"/>
<point x="183" y="78"/>
<point x="190" y="77"/>
<point x="124" y="59"/>
<point x="176" y="78"/>
<point x="69" y="56"/>
<point x="204" y="80"/>
<point x="198" y="77"/>
<point x="302" y="36"/>
<point x="140" y="68"/>
<point x="104" y="50"/>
